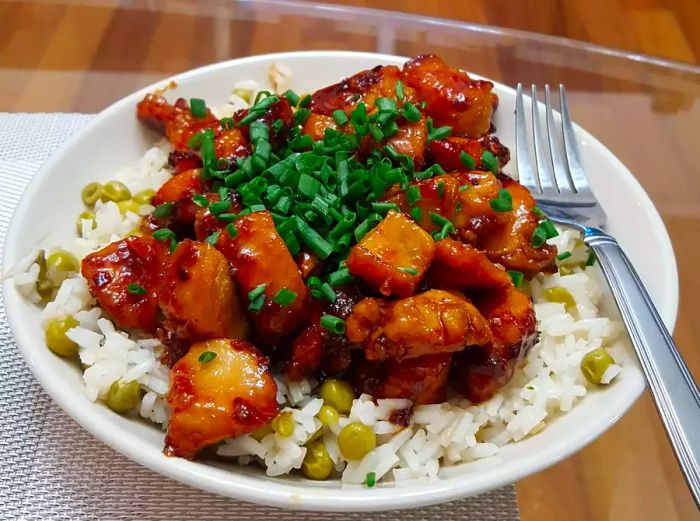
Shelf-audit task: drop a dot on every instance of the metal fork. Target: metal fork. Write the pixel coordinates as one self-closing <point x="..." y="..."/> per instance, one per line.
<point x="560" y="186"/>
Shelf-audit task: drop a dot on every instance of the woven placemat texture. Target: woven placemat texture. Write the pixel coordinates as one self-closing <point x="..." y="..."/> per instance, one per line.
<point x="51" y="469"/>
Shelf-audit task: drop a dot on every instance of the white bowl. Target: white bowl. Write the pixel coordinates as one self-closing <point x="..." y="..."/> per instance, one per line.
<point x="46" y="216"/>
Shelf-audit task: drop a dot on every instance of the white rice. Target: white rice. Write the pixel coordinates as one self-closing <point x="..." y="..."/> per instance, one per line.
<point x="549" y="382"/>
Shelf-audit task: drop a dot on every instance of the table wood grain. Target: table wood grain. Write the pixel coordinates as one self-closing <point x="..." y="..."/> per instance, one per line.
<point x="83" y="55"/>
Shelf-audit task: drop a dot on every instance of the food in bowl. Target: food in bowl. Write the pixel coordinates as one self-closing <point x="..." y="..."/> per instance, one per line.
<point x="343" y="283"/>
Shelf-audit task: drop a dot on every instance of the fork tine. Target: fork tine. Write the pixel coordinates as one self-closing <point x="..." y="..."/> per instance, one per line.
<point x="526" y="174"/>
<point x="544" y="159"/>
<point x="561" y="170"/>
<point x="573" y="157"/>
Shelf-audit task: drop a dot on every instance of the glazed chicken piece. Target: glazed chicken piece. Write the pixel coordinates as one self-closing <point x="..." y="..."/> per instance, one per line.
<point x="392" y="257"/>
<point x="177" y="192"/>
<point x="219" y="389"/>
<point x="316" y="349"/>
<point x="447" y="152"/>
<point x="260" y="257"/>
<point x="183" y="160"/>
<point x="175" y="122"/>
<point x="198" y="298"/>
<point x="365" y="87"/>
<point x="460" y="266"/>
<point x="481" y="371"/>
<point x="206" y="223"/>
<point x="124" y="277"/>
<point x="423" y="379"/>
<point x="508" y="243"/>
<point x="437" y="195"/>
<point x="433" y="322"/>
<point x="179" y="125"/>
<point x="452" y="97"/>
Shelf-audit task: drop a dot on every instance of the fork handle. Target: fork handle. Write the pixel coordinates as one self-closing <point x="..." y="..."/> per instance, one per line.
<point x="675" y="394"/>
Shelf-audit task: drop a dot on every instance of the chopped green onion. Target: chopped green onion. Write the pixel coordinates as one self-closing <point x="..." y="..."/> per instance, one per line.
<point x="539" y="237"/>
<point x="301" y="115"/>
<point x="386" y="105"/>
<point x="340" y="117"/>
<point x="376" y="132"/>
<point x="292" y="97"/>
<point x="503" y="202"/>
<point x="312" y="238"/>
<point x="417" y="214"/>
<point x="563" y="256"/>
<point x="399" y="90"/>
<point x="340" y="277"/>
<point x="549" y="228"/>
<point x="232" y="230"/>
<point x="213" y="237"/>
<point x="411" y="112"/>
<point x="257" y="304"/>
<point x="333" y="324"/>
<point x="198" y="108"/>
<point x="437" y="133"/>
<point x="441" y="189"/>
<point x="358" y="118"/>
<point x="439" y="220"/>
<point x="257" y="291"/>
<point x="284" y="297"/>
<point x="219" y="207"/>
<point x="384" y="208"/>
<point x="516" y="277"/>
<point x="163" y="210"/>
<point x="136" y="289"/>
<point x="308" y="186"/>
<point x="410" y="271"/>
<point x="413" y="195"/>
<point x="371" y="479"/>
<point x="305" y="101"/>
<point x="206" y="356"/>
<point x="164" y="234"/>
<point x="227" y="123"/>
<point x="200" y="200"/>
<point x="326" y="292"/>
<point x="467" y="160"/>
<point x="464" y="187"/>
<point x="537" y="211"/>
<point x="489" y="161"/>
<point x="590" y="261"/>
<point x="277" y="125"/>
<point x="258" y="130"/>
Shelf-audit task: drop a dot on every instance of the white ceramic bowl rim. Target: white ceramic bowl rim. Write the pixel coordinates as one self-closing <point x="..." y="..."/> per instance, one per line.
<point x="277" y="492"/>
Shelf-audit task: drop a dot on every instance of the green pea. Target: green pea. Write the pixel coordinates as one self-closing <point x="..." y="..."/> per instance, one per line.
<point x="45" y="287"/>
<point x="56" y="338"/>
<point x="64" y="261"/>
<point x="91" y="193"/>
<point x="337" y="394"/>
<point x="86" y="215"/>
<point x="129" y="205"/>
<point x="317" y="463"/>
<point x="123" y="397"/>
<point x="114" y="191"/>
<point x="144" y="196"/>
<point x="283" y="424"/>
<point x="356" y="440"/>
<point x="560" y="295"/>
<point x="595" y="363"/>
<point x="328" y="415"/>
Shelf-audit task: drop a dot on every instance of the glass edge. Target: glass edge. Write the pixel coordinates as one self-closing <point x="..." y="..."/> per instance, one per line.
<point x="297" y="6"/>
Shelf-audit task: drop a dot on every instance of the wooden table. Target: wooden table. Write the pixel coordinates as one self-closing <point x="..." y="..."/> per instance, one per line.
<point x="81" y="56"/>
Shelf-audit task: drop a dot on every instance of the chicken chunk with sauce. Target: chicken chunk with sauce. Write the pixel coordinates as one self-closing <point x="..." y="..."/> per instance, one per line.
<point x="435" y="321"/>
<point x="220" y="389"/>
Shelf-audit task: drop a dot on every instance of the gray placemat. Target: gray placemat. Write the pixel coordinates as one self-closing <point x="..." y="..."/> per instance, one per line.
<point x="44" y="454"/>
